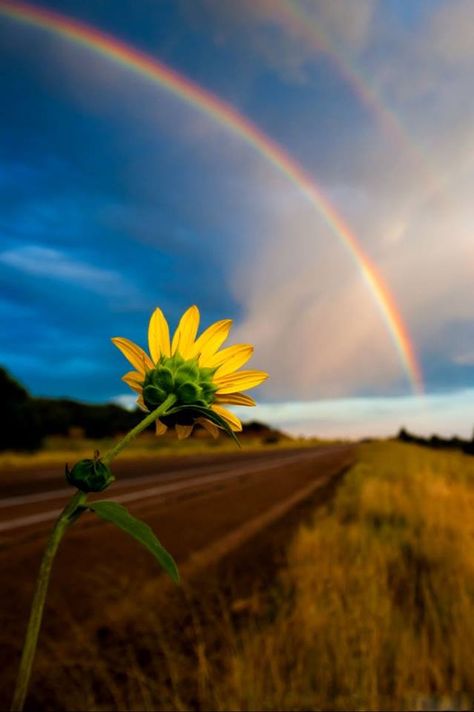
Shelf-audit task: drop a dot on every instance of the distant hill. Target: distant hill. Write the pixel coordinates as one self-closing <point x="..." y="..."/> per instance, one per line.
<point x="29" y="420"/>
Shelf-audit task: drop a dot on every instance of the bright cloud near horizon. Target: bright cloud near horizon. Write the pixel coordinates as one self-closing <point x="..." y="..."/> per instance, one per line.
<point x="118" y="197"/>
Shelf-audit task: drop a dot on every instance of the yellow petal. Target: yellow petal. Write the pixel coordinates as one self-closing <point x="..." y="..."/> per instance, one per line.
<point x="141" y="404"/>
<point x="211" y="339"/>
<point x="184" y="431"/>
<point x="183" y="339"/>
<point x="160" y="428"/>
<point x="134" y="380"/>
<point x="210" y="427"/>
<point x="239" y="381"/>
<point x="137" y="357"/>
<point x="219" y="358"/>
<point x="158" y="336"/>
<point x="235" y="399"/>
<point x="232" y="419"/>
<point x="235" y="360"/>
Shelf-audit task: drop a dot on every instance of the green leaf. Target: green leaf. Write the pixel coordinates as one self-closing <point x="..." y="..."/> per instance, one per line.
<point x="199" y="411"/>
<point x="115" y="513"/>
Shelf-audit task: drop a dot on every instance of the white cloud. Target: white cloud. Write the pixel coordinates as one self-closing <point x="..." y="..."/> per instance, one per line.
<point x="53" y="264"/>
<point x="446" y="414"/>
<point x="126" y="401"/>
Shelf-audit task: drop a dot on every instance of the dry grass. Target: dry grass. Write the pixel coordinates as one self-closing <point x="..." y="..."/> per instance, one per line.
<point x="374" y="610"/>
<point x="381" y="595"/>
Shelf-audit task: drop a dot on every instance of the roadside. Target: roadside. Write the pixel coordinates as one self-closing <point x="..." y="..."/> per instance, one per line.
<point x="113" y="600"/>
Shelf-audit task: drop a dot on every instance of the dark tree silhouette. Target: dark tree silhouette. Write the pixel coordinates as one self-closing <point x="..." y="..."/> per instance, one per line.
<point x="20" y="429"/>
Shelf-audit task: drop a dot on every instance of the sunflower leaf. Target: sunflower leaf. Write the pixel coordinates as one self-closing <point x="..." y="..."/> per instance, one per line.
<point x="120" y="516"/>
<point x="199" y="411"/>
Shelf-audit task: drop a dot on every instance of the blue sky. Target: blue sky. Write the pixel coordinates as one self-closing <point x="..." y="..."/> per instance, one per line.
<point x="116" y="197"/>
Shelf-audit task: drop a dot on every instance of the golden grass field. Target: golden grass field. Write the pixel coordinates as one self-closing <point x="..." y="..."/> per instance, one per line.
<point x="372" y="608"/>
<point x="379" y="611"/>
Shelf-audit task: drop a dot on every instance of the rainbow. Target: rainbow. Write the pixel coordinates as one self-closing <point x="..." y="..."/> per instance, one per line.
<point x="293" y="17"/>
<point x="219" y="111"/>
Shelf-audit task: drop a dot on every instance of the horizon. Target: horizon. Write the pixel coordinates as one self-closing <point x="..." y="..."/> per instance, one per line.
<point x="306" y="172"/>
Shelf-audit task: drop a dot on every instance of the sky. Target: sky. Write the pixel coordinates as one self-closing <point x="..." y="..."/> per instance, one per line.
<point x="118" y="196"/>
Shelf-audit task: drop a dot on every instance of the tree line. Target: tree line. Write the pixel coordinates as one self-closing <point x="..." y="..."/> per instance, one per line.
<point x="438" y="443"/>
<point x="28" y="420"/>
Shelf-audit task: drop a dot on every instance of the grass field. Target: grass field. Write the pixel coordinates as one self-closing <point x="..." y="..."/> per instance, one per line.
<point x="372" y="608"/>
<point x="379" y="609"/>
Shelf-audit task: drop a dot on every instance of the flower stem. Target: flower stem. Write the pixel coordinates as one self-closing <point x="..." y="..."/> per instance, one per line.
<point x="150" y="418"/>
<point x="36" y="614"/>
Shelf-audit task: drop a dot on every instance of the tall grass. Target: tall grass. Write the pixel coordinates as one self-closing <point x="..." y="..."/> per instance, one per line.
<point x="380" y="608"/>
<point x="374" y="609"/>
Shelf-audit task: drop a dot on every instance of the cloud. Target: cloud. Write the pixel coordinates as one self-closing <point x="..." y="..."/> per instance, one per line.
<point x="125" y="401"/>
<point x="446" y="414"/>
<point x="285" y="35"/>
<point x="53" y="264"/>
<point x="326" y="335"/>
<point x="201" y="217"/>
<point x="464" y="359"/>
<point x="450" y="33"/>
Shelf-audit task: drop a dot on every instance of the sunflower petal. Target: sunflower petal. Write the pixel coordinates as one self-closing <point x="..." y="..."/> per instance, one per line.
<point x="137" y="357"/>
<point x="235" y="360"/>
<point x="141" y="404"/>
<point x="158" y="336"/>
<point x="232" y="419"/>
<point x="211" y="339"/>
<point x="183" y="339"/>
<point x="160" y="428"/>
<point x="235" y="399"/>
<point x="133" y="376"/>
<point x="183" y="431"/>
<point x="210" y="427"/>
<point x="132" y="382"/>
<point x="219" y="358"/>
<point x="242" y="380"/>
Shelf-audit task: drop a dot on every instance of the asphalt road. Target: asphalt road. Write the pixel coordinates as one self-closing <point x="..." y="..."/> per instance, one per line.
<point x="21" y="513"/>
<point x="200" y="508"/>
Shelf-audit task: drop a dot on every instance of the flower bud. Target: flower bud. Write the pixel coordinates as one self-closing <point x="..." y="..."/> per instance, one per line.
<point x="90" y="475"/>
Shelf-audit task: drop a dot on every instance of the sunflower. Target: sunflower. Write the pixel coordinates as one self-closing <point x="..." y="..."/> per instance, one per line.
<point x="201" y="377"/>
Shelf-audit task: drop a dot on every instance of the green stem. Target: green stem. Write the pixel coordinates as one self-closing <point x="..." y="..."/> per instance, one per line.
<point x="161" y="410"/>
<point x="68" y="516"/>
<point x="36" y="614"/>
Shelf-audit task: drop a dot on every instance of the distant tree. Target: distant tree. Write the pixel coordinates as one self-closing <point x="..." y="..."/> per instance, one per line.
<point x="21" y="426"/>
<point x="404" y="435"/>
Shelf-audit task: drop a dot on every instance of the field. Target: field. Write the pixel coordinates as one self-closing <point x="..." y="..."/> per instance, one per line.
<point x="362" y="599"/>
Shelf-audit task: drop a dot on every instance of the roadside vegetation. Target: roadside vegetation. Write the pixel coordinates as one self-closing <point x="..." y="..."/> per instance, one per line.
<point x="371" y="607"/>
<point x="379" y="605"/>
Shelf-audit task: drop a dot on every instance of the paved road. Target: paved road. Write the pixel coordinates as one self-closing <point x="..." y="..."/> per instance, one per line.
<point x="202" y="509"/>
<point x="25" y="511"/>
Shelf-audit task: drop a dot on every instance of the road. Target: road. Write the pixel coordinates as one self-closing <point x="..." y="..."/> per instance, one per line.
<point x="200" y="508"/>
<point x="20" y="513"/>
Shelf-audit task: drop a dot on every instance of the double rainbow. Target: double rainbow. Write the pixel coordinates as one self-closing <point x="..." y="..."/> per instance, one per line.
<point x="300" y="23"/>
<point x="219" y="111"/>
